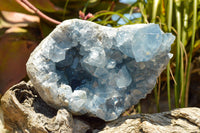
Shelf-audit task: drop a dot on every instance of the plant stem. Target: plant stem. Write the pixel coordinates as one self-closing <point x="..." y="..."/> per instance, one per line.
<point x="181" y="82"/>
<point x="139" y="108"/>
<point x="143" y="10"/>
<point x="37" y="11"/>
<point x="184" y="40"/>
<point x="112" y="6"/>
<point x="86" y="5"/>
<point x="156" y="98"/>
<point x="177" y="72"/>
<point x="65" y="8"/>
<point x="185" y="22"/>
<point x="168" y="86"/>
<point x="192" y="44"/>
<point x="169" y="24"/>
<point x="154" y="12"/>
<point x="153" y="20"/>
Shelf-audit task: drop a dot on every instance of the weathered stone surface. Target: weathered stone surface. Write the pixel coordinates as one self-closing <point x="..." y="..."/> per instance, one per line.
<point x="183" y="120"/>
<point x="80" y="126"/>
<point x="2" y="129"/>
<point x="25" y="112"/>
<point x="98" y="70"/>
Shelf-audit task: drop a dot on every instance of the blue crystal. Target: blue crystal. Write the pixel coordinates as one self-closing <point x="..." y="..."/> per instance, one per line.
<point x="97" y="70"/>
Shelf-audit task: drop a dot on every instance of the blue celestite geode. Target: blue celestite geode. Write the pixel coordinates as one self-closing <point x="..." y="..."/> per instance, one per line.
<point x="98" y="70"/>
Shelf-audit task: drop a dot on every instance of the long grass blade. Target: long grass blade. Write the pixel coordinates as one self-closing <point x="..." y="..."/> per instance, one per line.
<point x="143" y="10"/>
<point x="194" y="21"/>
<point x="169" y="24"/>
<point x="86" y="5"/>
<point x="110" y="13"/>
<point x="154" y="10"/>
<point x="184" y="41"/>
<point x="177" y="71"/>
<point x="65" y="8"/>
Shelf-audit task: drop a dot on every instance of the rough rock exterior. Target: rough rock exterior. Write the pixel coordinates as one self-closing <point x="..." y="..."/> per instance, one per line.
<point x="183" y="120"/>
<point x="98" y="70"/>
<point x="25" y="111"/>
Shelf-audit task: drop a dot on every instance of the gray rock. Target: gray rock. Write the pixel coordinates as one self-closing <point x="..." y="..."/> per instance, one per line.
<point x="25" y="111"/>
<point x="97" y="70"/>
<point x="183" y="120"/>
<point x="80" y="126"/>
<point x="2" y="129"/>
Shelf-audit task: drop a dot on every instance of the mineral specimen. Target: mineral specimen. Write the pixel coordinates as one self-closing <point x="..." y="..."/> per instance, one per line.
<point x="98" y="70"/>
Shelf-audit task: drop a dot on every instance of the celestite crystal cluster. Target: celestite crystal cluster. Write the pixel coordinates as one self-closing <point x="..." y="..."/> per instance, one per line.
<point x="98" y="70"/>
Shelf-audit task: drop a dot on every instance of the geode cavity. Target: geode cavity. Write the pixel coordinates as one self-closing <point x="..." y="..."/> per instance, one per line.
<point x="98" y="70"/>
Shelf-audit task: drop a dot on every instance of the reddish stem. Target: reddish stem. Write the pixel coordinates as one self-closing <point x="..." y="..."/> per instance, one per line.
<point x="37" y="11"/>
<point x="112" y="6"/>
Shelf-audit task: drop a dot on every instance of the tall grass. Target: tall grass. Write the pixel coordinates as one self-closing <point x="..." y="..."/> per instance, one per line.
<point x="178" y="72"/>
<point x="169" y="24"/>
<point x="182" y="25"/>
<point x="194" y="22"/>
